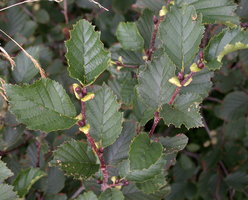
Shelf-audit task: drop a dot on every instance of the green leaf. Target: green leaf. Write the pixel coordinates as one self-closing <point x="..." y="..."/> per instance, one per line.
<point x="235" y="105"/>
<point x="154" y="5"/>
<point x="55" y="181"/>
<point x="184" y="111"/>
<point x="181" y="35"/>
<point x="214" y="12"/>
<point x="118" y="151"/>
<point x="145" y="159"/>
<point x="76" y="159"/>
<point x="237" y="180"/>
<point x="26" y="179"/>
<point x="4" y="171"/>
<point x="152" y="185"/>
<point x="43" y="105"/>
<point x="7" y="192"/>
<point x="141" y="175"/>
<point x="174" y="144"/>
<point x="121" y="6"/>
<point x="128" y="57"/>
<point x="86" y="56"/>
<point x="56" y="197"/>
<point x="123" y="86"/>
<point x="129" y="36"/>
<point x="131" y="192"/>
<point x="142" y="111"/>
<point x="144" y="153"/>
<point x="229" y="40"/>
<point x="201" y="83"/>
<point x="103" y="117"/>
<point x="10" y="137"/>
<point x="111" y="194"/>
<point x="154" y="87"/>
<point x="16" y="20"/>
<point x="145" y="25"/>
<point x="87" y="196"/>
<point x="25" y="70"/>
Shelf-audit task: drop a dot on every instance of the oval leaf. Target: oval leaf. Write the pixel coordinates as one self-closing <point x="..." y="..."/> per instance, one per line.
<point x="43" y="105"/>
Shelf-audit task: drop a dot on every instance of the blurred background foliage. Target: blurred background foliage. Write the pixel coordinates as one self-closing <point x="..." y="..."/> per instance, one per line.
<point x="214" y="164"/>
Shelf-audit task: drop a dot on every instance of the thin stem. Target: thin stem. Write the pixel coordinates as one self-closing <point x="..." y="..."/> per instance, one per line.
<point x="17" y="4"/>
<point x="65" y="12"/>
<point x="118" y="63"/>
<point x="38" y="148"/>
<point x="155" y="123"/>
<point x="206" y="127"/>
<point x="98" y="152"/>
<point x="151" y="50"/>
<point x="214" y="99"/>
<point x="78" y="192"/>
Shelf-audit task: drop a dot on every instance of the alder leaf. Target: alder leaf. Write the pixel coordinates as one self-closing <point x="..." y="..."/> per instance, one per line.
<point x="145" y="160"/>
<point x="229" y="40"/>
<point x="118" y="151"/>
<point x="143" y="152"/>
<point x="221" y="11"/>
<point x="76" y="159"/>
<point x="184" y="111"/>
<point x="201" y="83"/>
<point x="86" y="55"/>
<point x="7" y="192"/>
<point x="154" y="5"/>
<point x="123" y="86"/>
<point x="153" y="82"/>
<point x="104" y="117"/>
<point x="26" y="179"/>
<point x="174" y="144"/>
<point x="43" y="105"/>
<point x="235" y="106"/>
<point x="87" y="196"/>
<point x="181" y="35"/>
<point x="128" y="35"/>
<point x="142" y="111"/>
<point x="4" y="171"/>
<point x="25" y="70"/>
<point x="145" y="25"/>
<point x="111" y="194"/>
<point x="152" y="185"/>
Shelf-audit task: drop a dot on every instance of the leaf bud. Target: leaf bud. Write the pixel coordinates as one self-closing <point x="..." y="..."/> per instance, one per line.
<point x="85" y="129"/>
<point x="201" y="65"/>
<point x="180" y="76"/>
<point x="101" y="149"/>
<point x="175" y="81"/>
<point x="163" y="11"/>
<point x="88" y="97"/>
<point x="194" y="68"/>
<point x="155" y="19"/>
<point x="81" y="123"/>
<point x="77" y="90"/>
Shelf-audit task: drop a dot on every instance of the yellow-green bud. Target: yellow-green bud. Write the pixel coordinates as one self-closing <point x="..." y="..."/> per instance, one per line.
<point x="194" y="68"/>
<point x="163" y="11"/>
<point x="175" y="81"/>
<point x="85" y="129"/>
<point x="88" y="97"/>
